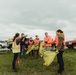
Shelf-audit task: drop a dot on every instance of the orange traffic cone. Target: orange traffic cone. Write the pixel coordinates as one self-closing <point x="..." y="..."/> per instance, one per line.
<point x="24" y="48"/>
<point x="18" y="61"/>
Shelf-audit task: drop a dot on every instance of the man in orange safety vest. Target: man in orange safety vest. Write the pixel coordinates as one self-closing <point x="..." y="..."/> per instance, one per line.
<point x="48" y="42"/>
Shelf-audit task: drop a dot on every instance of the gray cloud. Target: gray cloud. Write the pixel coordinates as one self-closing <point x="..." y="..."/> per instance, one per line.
<point x="46" y="15"/>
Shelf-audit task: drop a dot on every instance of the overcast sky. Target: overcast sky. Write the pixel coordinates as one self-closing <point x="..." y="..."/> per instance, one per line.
<point x="36" y="17"/>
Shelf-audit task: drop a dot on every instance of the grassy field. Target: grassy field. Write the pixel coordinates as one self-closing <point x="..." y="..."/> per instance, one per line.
<point x="30" y="66"/>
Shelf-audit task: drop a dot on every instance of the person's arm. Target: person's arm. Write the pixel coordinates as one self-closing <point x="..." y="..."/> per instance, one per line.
<point x="13" y="45"/>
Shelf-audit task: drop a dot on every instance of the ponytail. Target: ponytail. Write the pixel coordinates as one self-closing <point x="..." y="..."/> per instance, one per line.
<point x="16" y="35"/>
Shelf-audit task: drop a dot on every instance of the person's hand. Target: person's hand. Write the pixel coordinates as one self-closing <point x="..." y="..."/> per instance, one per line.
<point x="36" y="45"/>
<point x="45" y="41"/>
<point x="57" y="51"/>
<point x="25" y="35"/>
<point x="54" y="49"/>
<point x="24" y="48"/>
<point x="43" y="46"/>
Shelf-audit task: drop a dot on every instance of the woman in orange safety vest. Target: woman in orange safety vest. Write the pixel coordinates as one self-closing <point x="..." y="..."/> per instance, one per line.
<point x="56" y="39"/>
<point x="60" y="44"/>
<point x="15" y="50"/>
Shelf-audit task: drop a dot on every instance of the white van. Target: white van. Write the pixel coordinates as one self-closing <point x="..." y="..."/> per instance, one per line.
<point x="3" y="44"/>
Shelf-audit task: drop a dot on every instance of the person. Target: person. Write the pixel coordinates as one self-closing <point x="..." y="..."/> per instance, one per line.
<point x="36" y="43"/>
<point x="60" y="47"/>
<point x="22" y="45"/>
<point x="26" y="44"/>
<point x="15" y="50"/>
<point x="30" y="44"/>
<point x="48" y="42"/>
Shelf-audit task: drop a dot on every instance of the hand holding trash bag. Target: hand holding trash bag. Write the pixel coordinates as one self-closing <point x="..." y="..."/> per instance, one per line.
<point x="46" y="42"/>
<point x="57" y="51"/>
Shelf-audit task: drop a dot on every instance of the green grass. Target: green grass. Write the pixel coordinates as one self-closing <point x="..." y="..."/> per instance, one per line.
<point x="30" y="66"/>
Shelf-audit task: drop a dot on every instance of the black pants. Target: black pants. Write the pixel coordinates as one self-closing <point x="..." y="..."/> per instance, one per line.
<point x="31" y="53"/>
<point x="14" y="61"/>
<point x="35" y="53"/>
<point x="60" y="60"/>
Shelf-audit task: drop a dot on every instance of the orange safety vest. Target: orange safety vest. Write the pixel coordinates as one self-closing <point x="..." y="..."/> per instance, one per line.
<point x="36" y="41"/>
<point x="56" y="41"/>
<point x="30" y="43"/>
<point x="49" y="41"/>
<point x="16" y="48"/>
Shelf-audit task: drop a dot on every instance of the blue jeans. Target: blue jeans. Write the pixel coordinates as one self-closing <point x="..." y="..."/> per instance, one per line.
<point x="22" y="53"/>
